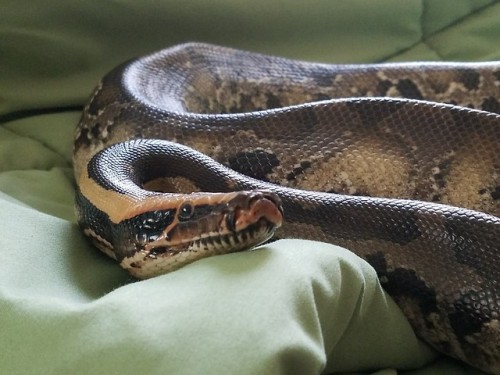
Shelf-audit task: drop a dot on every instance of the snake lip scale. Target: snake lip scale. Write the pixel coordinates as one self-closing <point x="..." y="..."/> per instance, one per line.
<point x="198" y="150"/>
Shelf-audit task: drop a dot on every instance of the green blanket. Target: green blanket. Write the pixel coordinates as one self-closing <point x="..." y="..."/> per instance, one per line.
<point x="292" y="307"/>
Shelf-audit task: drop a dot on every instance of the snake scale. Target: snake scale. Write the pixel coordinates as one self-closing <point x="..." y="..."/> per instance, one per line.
<point x="398" y="162"/>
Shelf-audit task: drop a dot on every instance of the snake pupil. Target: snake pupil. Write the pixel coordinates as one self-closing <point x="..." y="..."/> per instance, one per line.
<point x="186" y="211"/>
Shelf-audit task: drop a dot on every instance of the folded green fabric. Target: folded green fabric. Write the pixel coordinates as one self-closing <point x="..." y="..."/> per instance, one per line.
<point x="289" y="307"/>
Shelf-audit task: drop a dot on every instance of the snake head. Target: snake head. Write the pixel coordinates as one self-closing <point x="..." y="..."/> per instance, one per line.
<point x="196" y="226"/>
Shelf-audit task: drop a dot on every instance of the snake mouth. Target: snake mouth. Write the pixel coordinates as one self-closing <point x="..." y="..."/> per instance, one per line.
<point x="251" y="236"/>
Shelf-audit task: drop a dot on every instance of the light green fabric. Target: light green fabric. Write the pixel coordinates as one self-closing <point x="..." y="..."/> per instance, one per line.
<point x="289" y="307"/>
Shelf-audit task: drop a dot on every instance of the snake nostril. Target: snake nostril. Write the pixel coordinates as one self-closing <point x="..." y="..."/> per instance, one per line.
<point x="270" y="196"/>
<point x="260" y="194"/>
<point x="254" y="197"/>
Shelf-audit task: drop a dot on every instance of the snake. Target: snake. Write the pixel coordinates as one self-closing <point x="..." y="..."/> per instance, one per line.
<point x="198" y="150"/>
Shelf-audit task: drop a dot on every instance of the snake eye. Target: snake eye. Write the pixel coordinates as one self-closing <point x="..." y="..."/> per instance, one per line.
<point x="186" y="211"/>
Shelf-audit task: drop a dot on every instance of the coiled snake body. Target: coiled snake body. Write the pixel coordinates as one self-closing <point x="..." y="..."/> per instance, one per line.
<point x="411" y="185"/>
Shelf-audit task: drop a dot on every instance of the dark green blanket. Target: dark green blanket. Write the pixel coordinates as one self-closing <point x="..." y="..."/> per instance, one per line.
<point x="293" y="307"/>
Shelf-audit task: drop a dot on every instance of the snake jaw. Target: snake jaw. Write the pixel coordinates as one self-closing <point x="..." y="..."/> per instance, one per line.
<point x="244" y="221"/>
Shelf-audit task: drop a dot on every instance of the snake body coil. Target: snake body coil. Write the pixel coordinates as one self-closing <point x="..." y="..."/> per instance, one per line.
<point x="410" y="184"/>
